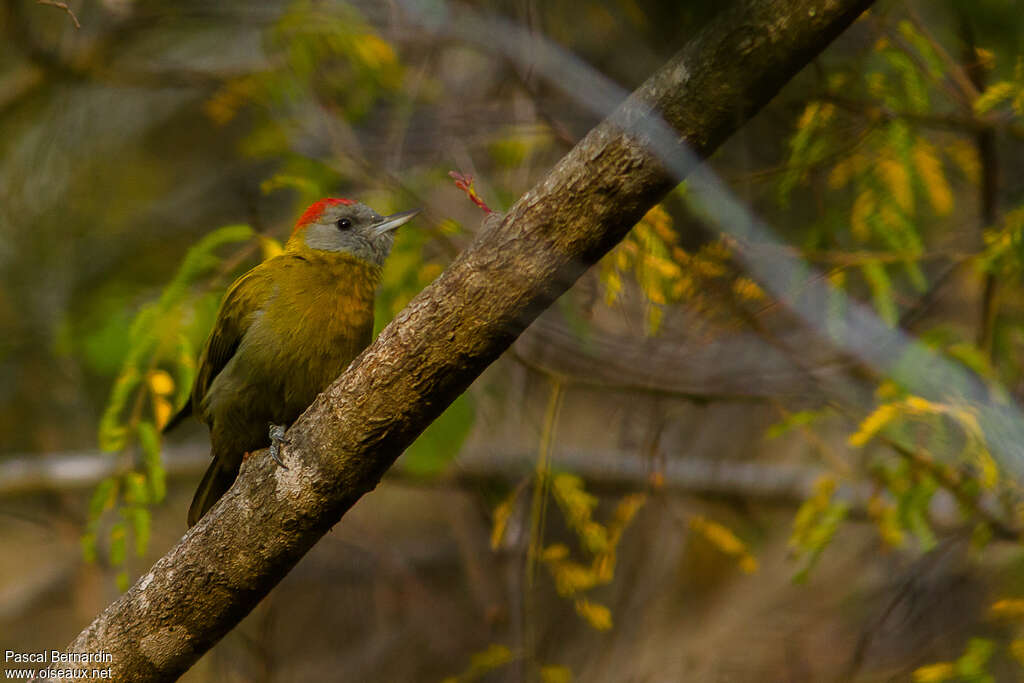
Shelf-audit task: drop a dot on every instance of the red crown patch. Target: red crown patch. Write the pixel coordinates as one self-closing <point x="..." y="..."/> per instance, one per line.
<point x="317" y="208"/>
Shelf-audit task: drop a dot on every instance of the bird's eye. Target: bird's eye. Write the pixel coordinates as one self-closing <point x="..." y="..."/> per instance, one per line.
<point x="343" y="224"/>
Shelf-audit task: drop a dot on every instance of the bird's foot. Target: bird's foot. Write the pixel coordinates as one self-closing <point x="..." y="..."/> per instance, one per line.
<point x="245" y="456"/>
<point x="277" y="440"/>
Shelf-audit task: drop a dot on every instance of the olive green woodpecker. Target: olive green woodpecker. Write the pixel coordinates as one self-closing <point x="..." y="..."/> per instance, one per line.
<point x="285" y="330"/>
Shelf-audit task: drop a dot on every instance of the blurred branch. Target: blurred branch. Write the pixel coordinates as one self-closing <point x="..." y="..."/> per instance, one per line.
<point x="95" y="59"/>
<point x="558" y="128"/>
<point x="455" y="328"/>
<point x="607" y="470"/>
<point x="988" y="192"/>
<point x="80" y="470"/>
<point x="875" y="110"/>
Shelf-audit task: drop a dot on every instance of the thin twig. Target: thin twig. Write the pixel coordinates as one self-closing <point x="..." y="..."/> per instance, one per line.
<point x="63" y="6"/>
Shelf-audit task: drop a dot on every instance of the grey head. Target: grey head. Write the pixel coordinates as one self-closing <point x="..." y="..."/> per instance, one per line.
<point x="343" y="225"/>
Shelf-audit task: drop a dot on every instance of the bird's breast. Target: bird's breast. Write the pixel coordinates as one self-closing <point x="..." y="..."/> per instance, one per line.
<point x="314" y="326"/>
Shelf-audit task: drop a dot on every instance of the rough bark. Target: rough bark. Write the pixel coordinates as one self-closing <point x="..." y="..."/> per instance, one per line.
<point x="448" y="334"/>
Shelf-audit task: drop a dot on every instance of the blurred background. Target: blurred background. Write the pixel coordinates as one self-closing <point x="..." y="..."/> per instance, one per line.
<point x="676" y="473"/>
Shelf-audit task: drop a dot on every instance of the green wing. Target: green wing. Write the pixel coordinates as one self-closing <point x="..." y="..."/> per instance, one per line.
<point x="244" y="298"/>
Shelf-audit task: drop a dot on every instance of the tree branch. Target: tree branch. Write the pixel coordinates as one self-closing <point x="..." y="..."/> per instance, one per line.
<point x="442" y="341"/>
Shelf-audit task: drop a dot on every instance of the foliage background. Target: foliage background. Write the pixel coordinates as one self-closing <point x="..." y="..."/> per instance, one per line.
<point x="672" y="475"/>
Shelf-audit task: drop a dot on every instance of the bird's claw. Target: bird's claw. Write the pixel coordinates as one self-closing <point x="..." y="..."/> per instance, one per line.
<point x="277" y="440"/>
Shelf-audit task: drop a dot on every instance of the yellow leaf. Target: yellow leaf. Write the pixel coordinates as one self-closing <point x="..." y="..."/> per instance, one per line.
<point x="988" y="477"/>
<point x="625" y="511"/>
<point x="161" y="383"/>
<point x="887" y="521"/>
<point x="161" y="411"/>
<point x="488" y="660"/>
<point x="225" y="103"/>
<point x="748" y="564"/>
<point x="863" y="209"/>
<point x="612" y="287"/>
<point x="270" y="247"/>
<point x="653" y="292"/>
<point x="747" y="289"/>
<point x="993" y="96"/>
<point x="449" y="227"/>
<point x="604" y="567"/>
<point x="707" y="267"/>
<point x="1008" y="608"/>
<point x="897" y="181"/>
<point x="872" y="424"/>
<point x="965" y="156"/>
<point x="555" y="552"/>
<point x="969" y="421"/>
<point x="986" y="58"/>
<point x="664" y="267"/>
<point x="922" y="405"/>
<point x="719" y="535"/>
<point x="825" y="487"/>
<point x="653" y="315"/>
<point x="597" y="615"/>
<point x="716" y="251"/>
<point x="555" y="674"/>
<point x="661" y="223"/>
<point x="929" y="168"/>
<point x="372" y="51"/>
<point x="1017" y="650"/>
<point x="935" y="673"/>
<point x="502" y="513"/>
<point x="572" y="578"/>
<point x="726" y="541"/>
<point x="888" y="391"/>
<point x="815" y="112"/>
<point x="840" y="174"/>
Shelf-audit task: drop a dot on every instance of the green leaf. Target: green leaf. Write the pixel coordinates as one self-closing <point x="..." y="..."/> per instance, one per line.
<point x="88" y="543"/>
<point x="994" y="95"/>
<point x="924" y="48"/>
<point x="913" y="509"/>
<point x="135" y="490"/>
<point x="184" y="370"/>
<point x="555" y="674"/>
<point x="881" y="292"/>
<point x="199" y="260"/>
<point x="800" y="418"/>
<point x="118" y="543"/>
<point x="442" y="440"/>
<point x="103" y="497"/>
<point x="141" y="526"/>
<point x="156" y="475"/>
<point x="972" y="664"/>
<point x="112" y="434"/>
<point x="820" y="535"/>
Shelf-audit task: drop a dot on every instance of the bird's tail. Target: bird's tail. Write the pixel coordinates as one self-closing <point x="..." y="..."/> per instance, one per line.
<point x="217" y="480"/>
